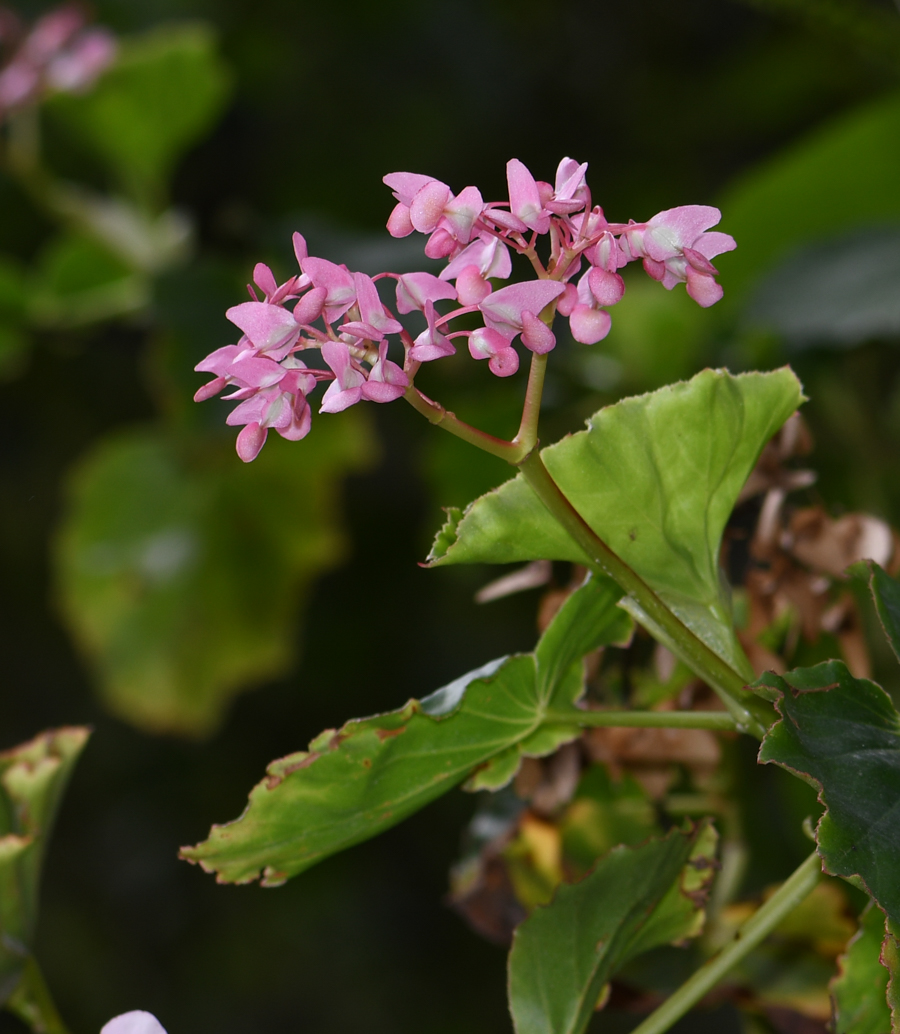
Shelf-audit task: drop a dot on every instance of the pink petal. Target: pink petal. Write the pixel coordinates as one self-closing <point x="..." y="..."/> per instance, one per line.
<point x="257" y="372"/>
<point x="220" y="361"/>
<point x="670" y="231"/>
<point x="310" y="306"/>
<point x="399" y="223"/>
<point x="406" y="185"/>
<point x="301" y="421"/>
<point x="337" y="399"/>
<point x="415" y="290"/>
<point x="536" y="335"/>
<point x="300" y="249"/>
<point x="264" y="279"/>
<point x="711" y="244"/>
<point x="567" y="300"/>
<point x="338" y="284"/>
<point x="524" y="198"/>
<point x="462" y="212"/>
<point x="700" y="262"/>
<point x="210" y="389"/>
<point x="440" y="244"/>
<point x="702" y="288"/>
<point x="267" y="326"/>
<point x="489" y="254"/>
<point x="428" y="206"/>
<point x="589" y="325"/>
<point x="504" y="307"/>
<point x="485" y="343"/>
<point x="371" y="308"/>
<point x="249" y="443"/>
<point x="607" y="288"/>
<point x="471" y="286"/>
<point x="504" y="363"/>
<point x="137" y="1022"/>
<point x="506" y="219"/>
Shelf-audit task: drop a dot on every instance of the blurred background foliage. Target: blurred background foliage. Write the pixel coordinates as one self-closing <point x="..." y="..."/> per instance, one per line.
<point x="149" y="576"/>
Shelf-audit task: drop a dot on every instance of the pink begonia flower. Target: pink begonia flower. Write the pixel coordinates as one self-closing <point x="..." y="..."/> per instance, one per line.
<point x="570" y="191"/>
<point x="137" y="1022"/>
<point x="429" y="206"/>
<point x="373" y="323"/>
<point x="338" y="283"/>
<point x="386" y="380"/>
<point x="270" y="328"/>
<point x="416" y="290"/>
<point x="676" y="249"/>
<point x="57" y="55"/>
<point x="503" y="309"/>
<point x="346" y="388"/>
<point x="431" y="343"/>
<point x="485" y="343"/>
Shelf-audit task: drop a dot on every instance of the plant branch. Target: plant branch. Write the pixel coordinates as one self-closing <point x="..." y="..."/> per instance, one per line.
<point x="757" y="927"/>
<point x="716" y="720"/>
<point x="749" y="713"/>
<point x="526" y="437"/>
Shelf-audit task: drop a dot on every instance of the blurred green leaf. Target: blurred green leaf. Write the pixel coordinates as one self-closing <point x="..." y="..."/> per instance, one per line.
<point x="842" y="176"/>
<point x="842" y="735"/>
<point x="33" y="777"/>
<point x="180" y="569"/>
<point x="374" y="772"/>
<point x="842" y="292"/>
<point x="635" y="898"/>
<point x="656" y="477"/>
<point x="164" y="93"/>
<point x="890" y="957"/>
<point x="858" y="992"/>
<point x="79" y="281"/>
<point x="886" y="593"/>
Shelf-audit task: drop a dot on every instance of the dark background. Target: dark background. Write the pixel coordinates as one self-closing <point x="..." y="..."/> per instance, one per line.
<point x="668" y="103"/>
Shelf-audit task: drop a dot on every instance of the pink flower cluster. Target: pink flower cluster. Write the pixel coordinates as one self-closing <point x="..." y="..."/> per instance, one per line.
<point x="340" y="313"/>
<point x="58" y="55"/>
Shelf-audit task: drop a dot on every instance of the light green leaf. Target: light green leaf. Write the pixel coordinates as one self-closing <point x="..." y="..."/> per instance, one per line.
<point x="842" y="176"/>
<point x="858" y="992"/>
<point x="33" y="777"/>
<point x="565" y="953"/>
<point x="374" y="772"/>
<point x="886" y="593"/>
<point x="180" y="568"/>
<point x="842" y="735"/>
<point x="164" y="92"/>
<point x="656" y="477"/>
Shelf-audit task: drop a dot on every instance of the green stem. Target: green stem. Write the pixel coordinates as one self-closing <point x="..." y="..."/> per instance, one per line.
<point x="719" y="721"/>
<point x="32" y="1003"/>
<point x="757" y="927"/>
<point x="435" y="413"/>
<point x="526" y="438"/>
<point x="749" y="713"/>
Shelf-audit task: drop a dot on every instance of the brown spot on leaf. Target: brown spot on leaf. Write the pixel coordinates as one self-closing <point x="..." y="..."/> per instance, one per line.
<point x="386" y="734"/>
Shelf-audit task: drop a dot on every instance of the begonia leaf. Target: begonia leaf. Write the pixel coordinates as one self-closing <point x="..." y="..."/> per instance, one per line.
<point x="890" y="958"/>
<point x="859" y="991"/>
<point x="886" y="593"/>
<point x="180" y="569"/>
<point x="656" y="477"/>
<point x="634" y="899"/>
<point x="842" y="735"/>
<point x="355" y="782"/>
<point x="33" y="777"/>
<point x="164" y="91"/>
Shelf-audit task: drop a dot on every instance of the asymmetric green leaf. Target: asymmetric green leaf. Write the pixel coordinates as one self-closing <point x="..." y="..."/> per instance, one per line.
<point x="33" y="777"/>
<point x="374" y="772"/>
<point x="858" y="993"/>
<point x="656" y="477"/>
<point x="179" y="573"/>
<point x="634" y="899"/>
<point x="842" y="735"/>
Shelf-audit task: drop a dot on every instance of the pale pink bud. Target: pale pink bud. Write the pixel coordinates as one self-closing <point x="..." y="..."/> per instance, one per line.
<point x="399" y="223"/>
<point x="504" y="363"/>
<point x="210" y="389"/>
<point x="536" y="335"/>
<point x="440" y="244"/>
<point x="607" y="288"/>
<point x="428" y="206"/>
<point x="310" y="306"/>
<point x="589" y="325"/>
<point x="249" y="442"/>
<point x="136" y="1022"/>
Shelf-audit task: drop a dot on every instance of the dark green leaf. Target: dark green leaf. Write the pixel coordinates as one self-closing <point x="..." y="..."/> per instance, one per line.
<point x="180" y="568"/>
<point x="565" y="953"/>
<point x="656" y="477"/>
<point x="374" y="772"/>
<point x="164" y="92"/>
<point x="858" y="992"/>
<point x="842" y="735"/>
<point x="33" y="777"/>
<point x="842" y="176"/>
<point x="886" y="593"/>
